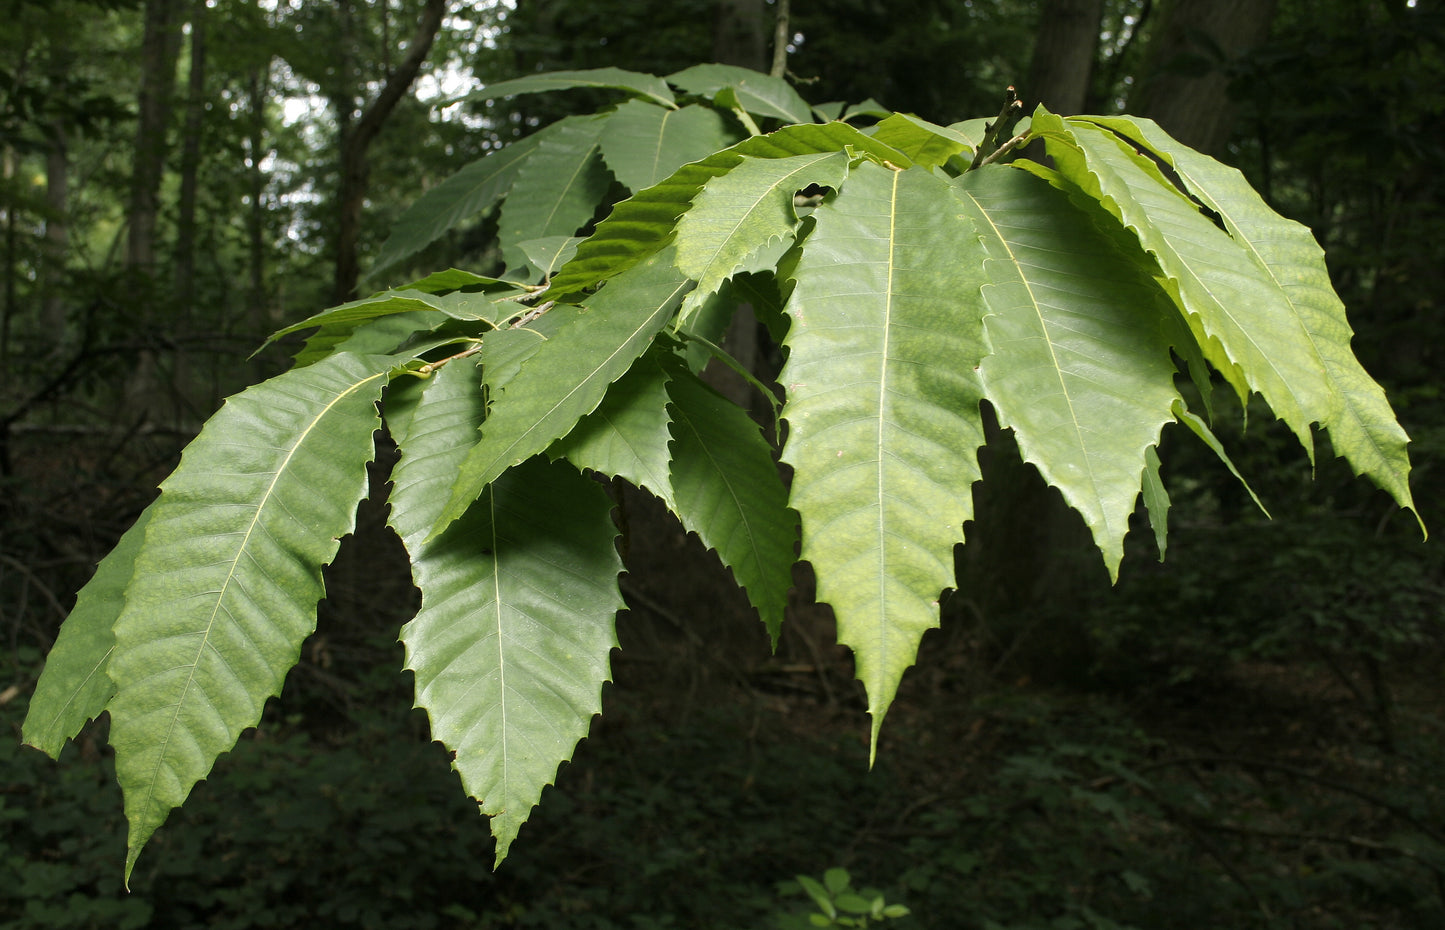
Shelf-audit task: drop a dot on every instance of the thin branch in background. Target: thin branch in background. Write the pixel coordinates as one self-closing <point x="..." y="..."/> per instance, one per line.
<point x="782" y="32"/>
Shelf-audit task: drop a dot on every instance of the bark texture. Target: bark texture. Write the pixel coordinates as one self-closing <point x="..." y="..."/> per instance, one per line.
<point x="160" y="46"/>
<point x="1064" y="53"/>
<point x="357" y="138"/>
<point x="1184" y="84"/>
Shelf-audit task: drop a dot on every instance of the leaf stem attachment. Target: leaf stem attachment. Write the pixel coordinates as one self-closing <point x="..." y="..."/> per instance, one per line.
<point x="995" y="132"/>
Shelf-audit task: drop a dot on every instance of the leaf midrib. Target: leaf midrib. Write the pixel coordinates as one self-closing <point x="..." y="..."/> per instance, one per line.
<point x="231" y="574"/>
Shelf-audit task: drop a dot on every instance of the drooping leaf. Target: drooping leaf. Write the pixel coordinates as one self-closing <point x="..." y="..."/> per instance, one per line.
<point x="1156" y="500"/>
<point x="642" y="224"/>
<point x="728" y="491"/>
<point x="510" y="646"/>
<point x="925" y="143"/>
<point x="647" y="86"/>
<point x="465" y="195"/>
<point x="1361" y="424"/>
<point x="868" y="109"/>
<point x="227" y="579"/>
<point x="760" y="94"/>
<point x="1239" y="316"/>
<point x="557" y="190"/>
<point x="627" y="435"/>
<point x="474" y="306"/>
<point x="455" y="279"/>
<point x="566" y="376"/>
<point x="883" y="409"/>
<point x="74" y="686"/>
<point x="1201" y="429"/>
<point x="740" y="216"/>
<point x="1078" y="365"/>
<point x="644" y="144"/>
<point x="381" y="335"/>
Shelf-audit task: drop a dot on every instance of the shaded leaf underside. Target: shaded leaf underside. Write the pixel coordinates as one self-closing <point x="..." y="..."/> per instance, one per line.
<point x="74" y="687"/>
<point x="510" y="646"/>
<point x="1355" y="411"/>
<point x="1078" y="365"/>
<point x="727" y="489"/>
<point x="227" y="579"/>
<point x="566" y="376"/>
<point x="644" y="144"/>
<point x="883" y="410"/>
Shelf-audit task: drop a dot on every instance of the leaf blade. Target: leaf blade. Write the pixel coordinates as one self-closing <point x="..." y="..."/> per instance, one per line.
<point x="745" y="212"/>
<point x="1079" y="367"/>
<point x="760" y="94"/>
<point x="566" y="376"/>
<point x="470" y="192"/>
<point x="627" y="435"/>
<point x="883" y="415"/>
<point x="227" y="580"/>
<point x="643" y="224"/>
<point x="647" y="86"/>
<point x="557" y="190"/>
<point x="1362" y="426"/>
<point x="728" y="491"/>
<point x="74" y="686"/>
<point x="644" y="144"/>
<point x="511" y="644"/>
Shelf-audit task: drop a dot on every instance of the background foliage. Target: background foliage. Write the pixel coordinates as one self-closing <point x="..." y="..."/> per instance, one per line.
<point x="1262" y="711"/>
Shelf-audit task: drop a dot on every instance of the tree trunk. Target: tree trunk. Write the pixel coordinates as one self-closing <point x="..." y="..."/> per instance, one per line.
<point x="257" y="89"/>
<point x="185" y="259"/>
<point x="739" y="38"/>
<point x="1064" y="52"/>
<point x="1022" y="571"/>
<point x="358" y="138"/>
<point x="739" y="34"/>
<point x="160" y="46"/>
<point x="57" y="235"/>
<point x="1184" y="83"/>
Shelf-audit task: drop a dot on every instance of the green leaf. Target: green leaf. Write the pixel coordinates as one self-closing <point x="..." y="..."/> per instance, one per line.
<point x="510" y="646"/>
<point x="459" y="305"/>
<point x="647" y="86"/>
<point x="1239" y="316"/>
<point x="627" y="435"/>
<point x="851" y="903"/>
<point x="1201" y="429"/>
<point x="550" y="253"/>
<point x="759" y="94"/>
<point x="74" y="686"/>
<point x="644" y="144"/>
<point x="972" y="131"/>
<point x="558" y="189"/>
<point x="566" y="376"/>
<point x="818" y="893"/>
<point x="227" y="579"/>
<point x="455" y="279"/>
<point x="379" y="336"/>
<point x="643" y="224"/>
<point x="1354" y="410"/>
<point x="1156" y="500"/>
<point x="883" y="409"/>
<point x="728" y="491"/>
<point x="1078" y="367"/>
<point x="742" y="215"/>
<point x="868" y="109"/>
<point x="469" y="193"/>
<point x="837" y="880"/>
<point x="925" y="143"/>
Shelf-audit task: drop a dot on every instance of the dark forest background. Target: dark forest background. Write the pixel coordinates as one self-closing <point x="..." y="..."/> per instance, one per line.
<point x="1249" y="735"/>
